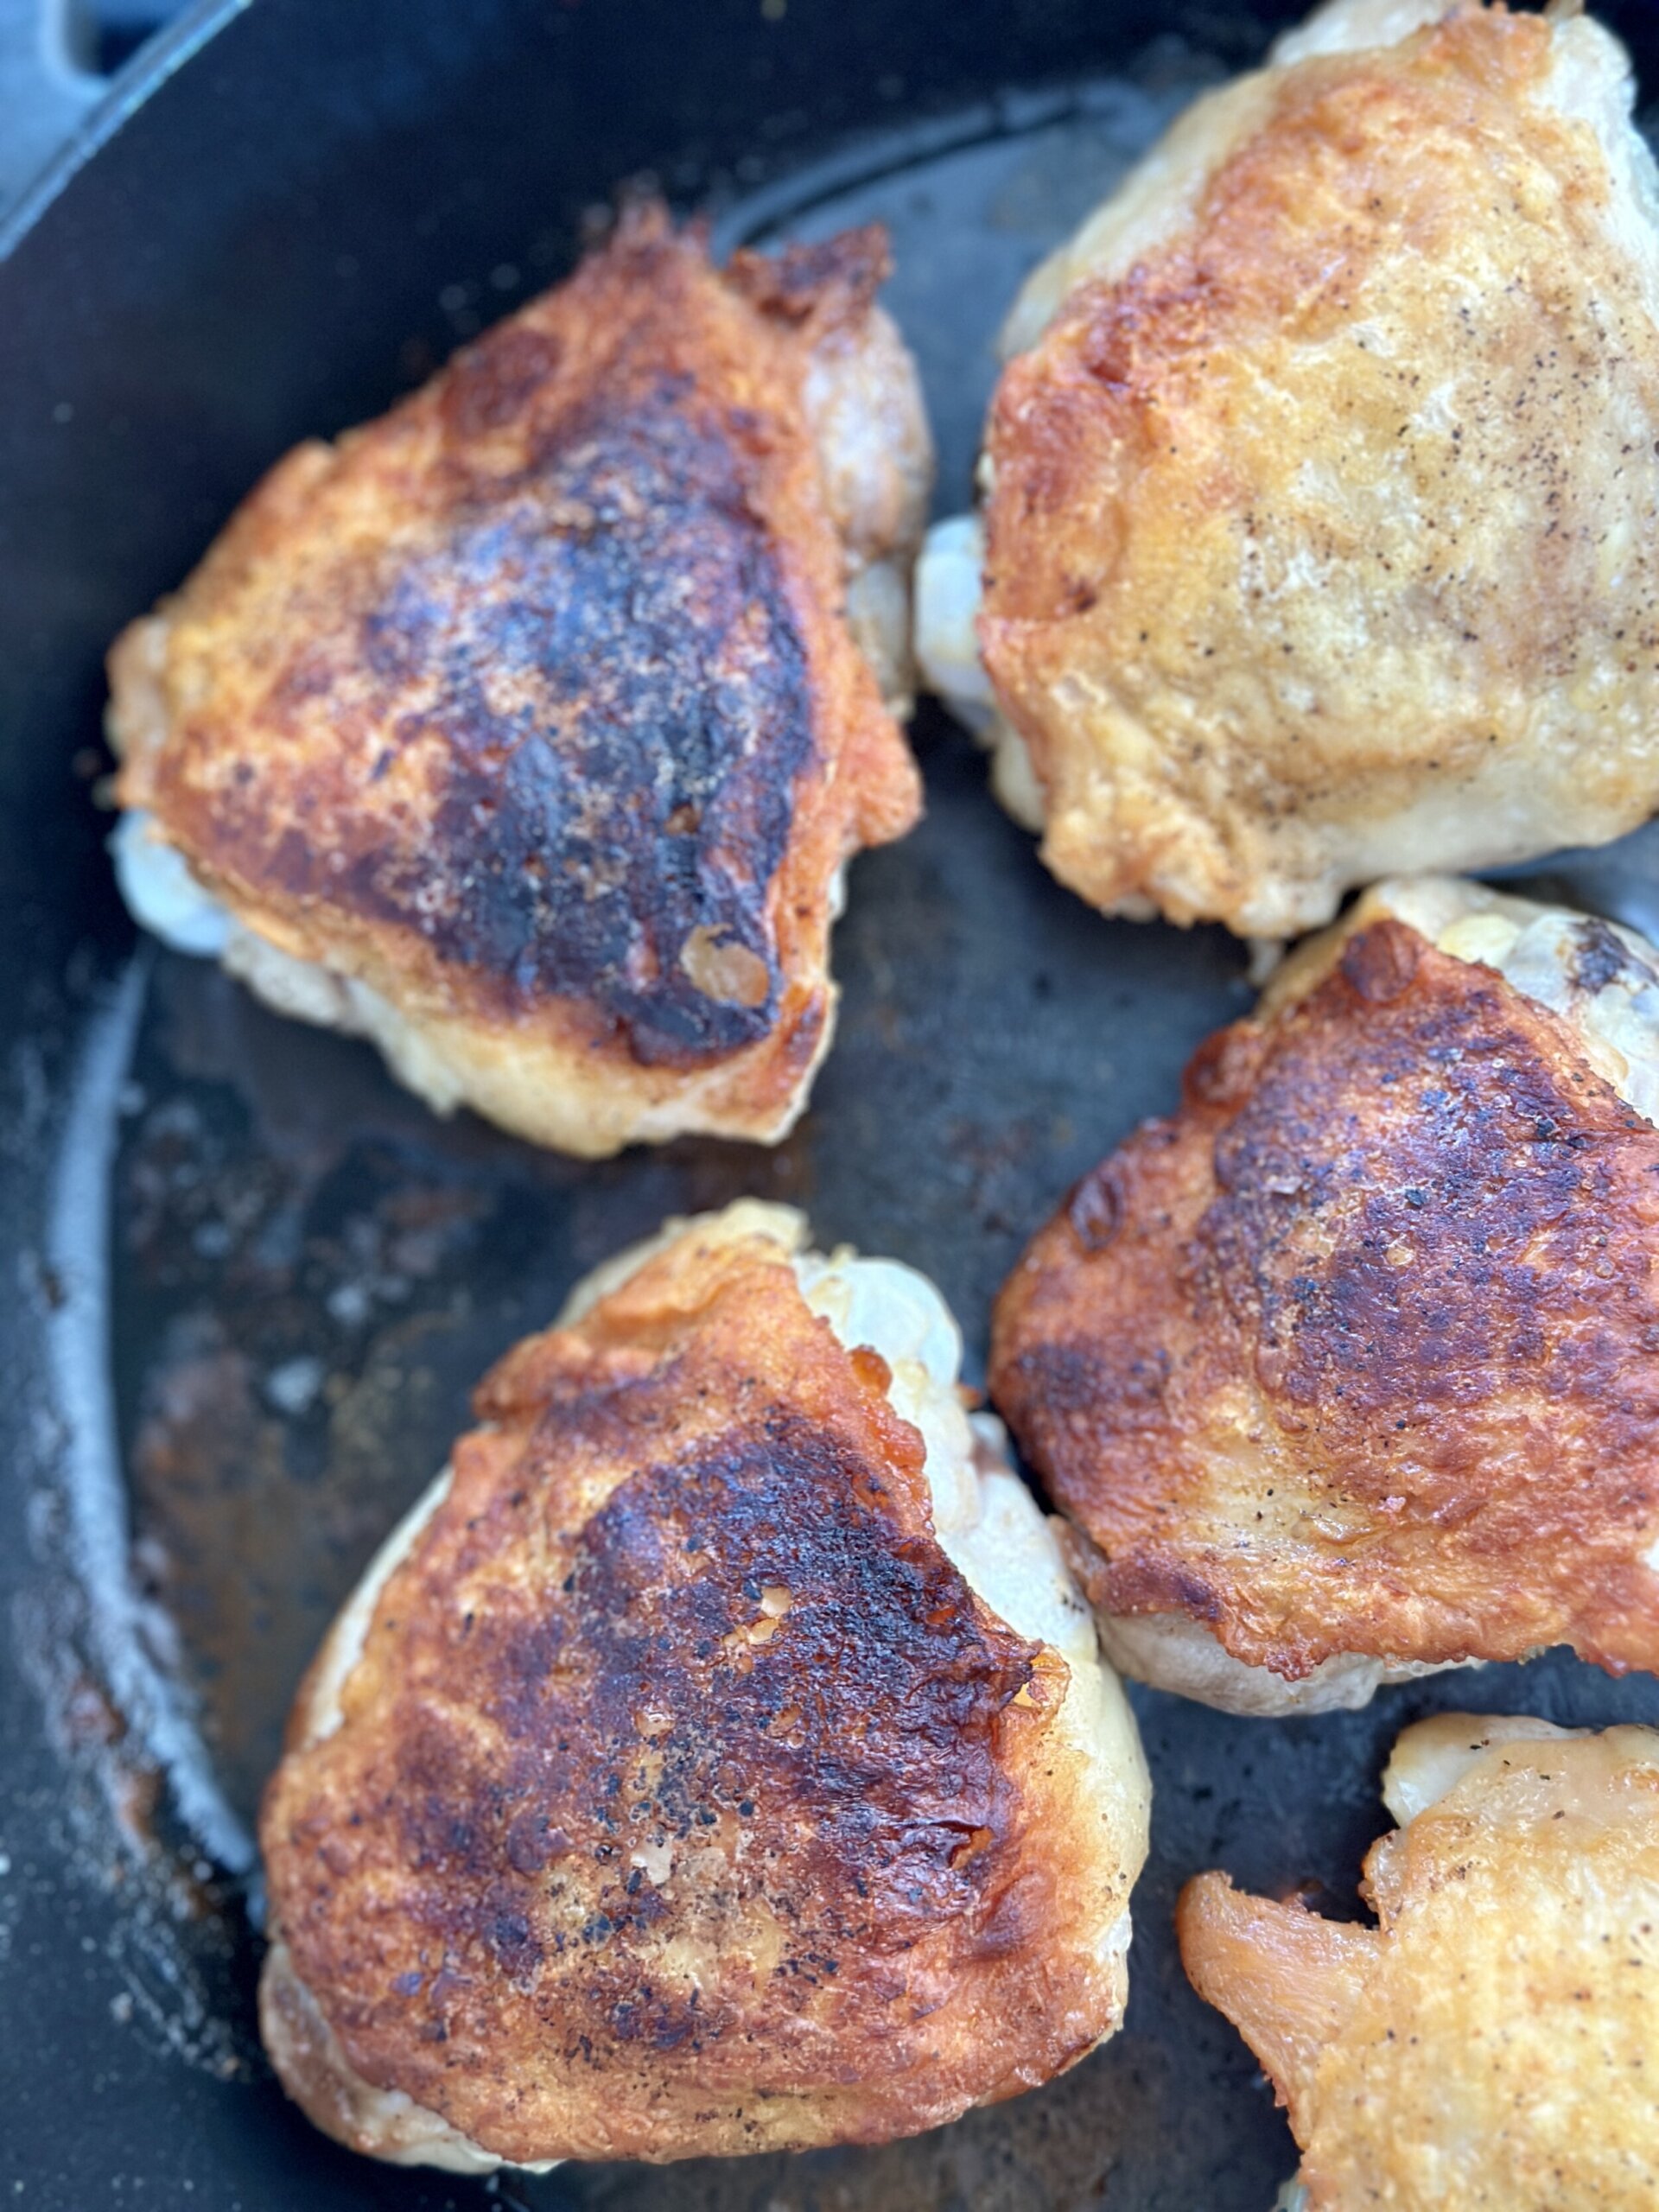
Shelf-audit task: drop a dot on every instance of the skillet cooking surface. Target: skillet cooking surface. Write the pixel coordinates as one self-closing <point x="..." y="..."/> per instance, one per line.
<point x="295" y="1274"/>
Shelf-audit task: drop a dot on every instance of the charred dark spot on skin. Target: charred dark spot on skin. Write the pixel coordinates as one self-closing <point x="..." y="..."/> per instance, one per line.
<point x="534" y="1841"/>
<point x="1434" y="1262"/>
<point x="1056" y="1395"/>
<point x="508" y="1933"/>
<point x="1194" y="1596"/>
<point x="1601" y="957"/>
<point x="1096" y="1208"/>
<point x="754" y="1614"/>
<point x="605" y="651"/>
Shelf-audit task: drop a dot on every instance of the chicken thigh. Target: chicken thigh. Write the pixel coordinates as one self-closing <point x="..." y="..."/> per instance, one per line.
<point x="1350" y="1367"/>
<point x="528" y="730"/>
<point x="1488" y="2045"/>
<point x="719" y="1759"/>
<point x="1321" y="486"/>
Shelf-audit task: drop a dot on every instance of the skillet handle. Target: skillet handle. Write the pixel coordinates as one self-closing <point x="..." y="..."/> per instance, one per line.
<point x="44" y="91"/>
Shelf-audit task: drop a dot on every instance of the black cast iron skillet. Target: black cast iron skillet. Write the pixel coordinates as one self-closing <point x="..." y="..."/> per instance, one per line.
<point x="248" y="1281"/>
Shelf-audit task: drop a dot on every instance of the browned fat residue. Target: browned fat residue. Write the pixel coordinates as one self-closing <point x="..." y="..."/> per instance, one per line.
<point x="1601" y="957"/>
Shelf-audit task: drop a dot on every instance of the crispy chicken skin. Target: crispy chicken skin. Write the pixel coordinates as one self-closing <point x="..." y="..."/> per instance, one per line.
<point x="1488" y="2045"/>
<point x="718" y="1761"/>
<point x="528" y="728"/>
<point x="1350" y="1367"/>
<point x="1322" y="486"/>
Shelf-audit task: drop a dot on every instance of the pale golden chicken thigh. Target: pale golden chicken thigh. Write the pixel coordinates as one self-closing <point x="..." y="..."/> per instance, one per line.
<point x="719" y="1759"/>
<point x="1320" y="529"/>
<point x="1350" y="1368"/>
<point x="1490" y="2045"/>
<point x="529" y="729"/>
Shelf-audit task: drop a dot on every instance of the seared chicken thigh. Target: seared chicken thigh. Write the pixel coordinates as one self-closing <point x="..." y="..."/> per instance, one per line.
<point x="1488" y="2045"/>
<point x="1350" y="1367"/>
<point x="719" y="1759"/>
<point x="528" y="730"/>
<point x="1322" y="487"/>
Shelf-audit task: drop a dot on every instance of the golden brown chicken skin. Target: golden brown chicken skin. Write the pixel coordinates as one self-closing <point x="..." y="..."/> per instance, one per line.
<point x="669" y="1790"/>
<point x="1488" y="2045"/>
<point x="1320" y="531"/>
<point x="1350" y="1367"/>
<point x="527" y="728"/>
